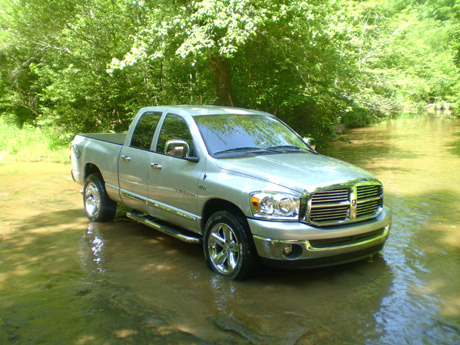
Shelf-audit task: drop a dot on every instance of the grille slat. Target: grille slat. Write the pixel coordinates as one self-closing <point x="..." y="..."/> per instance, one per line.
<point x="368" y="191"/>
<point x="368" y="207"/>
<point x="329" y="217"/>
<point x="330" y="211"/>
<point x="328" y="196"/>
<point x="330" y="214"/>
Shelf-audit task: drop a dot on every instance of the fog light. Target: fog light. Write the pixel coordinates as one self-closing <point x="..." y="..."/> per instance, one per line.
<point x="292" y="251"/>
<point x="287" y="250"/>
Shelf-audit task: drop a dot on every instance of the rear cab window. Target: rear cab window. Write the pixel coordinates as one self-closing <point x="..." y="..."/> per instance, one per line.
<point x="144" y="131"/>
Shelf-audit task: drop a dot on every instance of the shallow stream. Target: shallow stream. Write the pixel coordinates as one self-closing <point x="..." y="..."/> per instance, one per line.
<point x="69" y="281"/>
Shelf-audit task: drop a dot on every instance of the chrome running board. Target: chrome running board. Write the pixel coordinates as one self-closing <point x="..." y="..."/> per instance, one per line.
<point x="162" y="228"/>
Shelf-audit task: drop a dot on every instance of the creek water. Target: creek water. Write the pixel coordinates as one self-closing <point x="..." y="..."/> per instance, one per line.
<point x="64" y="280"/>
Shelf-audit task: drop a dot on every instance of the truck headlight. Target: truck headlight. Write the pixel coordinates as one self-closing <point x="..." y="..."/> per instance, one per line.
<point x="275" y="205"/>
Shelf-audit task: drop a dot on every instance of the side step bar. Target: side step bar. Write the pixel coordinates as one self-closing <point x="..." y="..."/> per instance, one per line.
<point x="163" y="228"/>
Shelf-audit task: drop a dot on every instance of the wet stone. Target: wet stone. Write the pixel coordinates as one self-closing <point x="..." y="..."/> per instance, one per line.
<point x="318" y="335"/>
<point x="234" y="324"/>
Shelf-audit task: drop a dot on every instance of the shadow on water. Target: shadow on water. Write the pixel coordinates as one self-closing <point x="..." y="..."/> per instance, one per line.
<point x="53" y="290"/>
<point x="454" y="148"/>
<point x="37" y="273"/>
<point x="31" y="243"/>
<point x="363" y="155"/>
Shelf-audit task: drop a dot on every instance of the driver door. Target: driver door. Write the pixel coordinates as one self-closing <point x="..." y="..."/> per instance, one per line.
<point x="173" y="177"/>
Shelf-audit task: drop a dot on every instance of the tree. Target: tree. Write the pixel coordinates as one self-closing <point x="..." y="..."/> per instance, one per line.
<point x="88" y="65"/>
<point x="26" y="31"/>
<point x="286" y="57"/>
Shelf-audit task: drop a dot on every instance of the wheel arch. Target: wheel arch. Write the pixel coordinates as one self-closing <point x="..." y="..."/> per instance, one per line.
<point x="91" y="168"/>
<point x="214" y="205"/>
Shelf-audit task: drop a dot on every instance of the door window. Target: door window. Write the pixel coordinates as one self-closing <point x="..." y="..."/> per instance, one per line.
<point x="143" y="134"/>
<point x="175" y="128"/>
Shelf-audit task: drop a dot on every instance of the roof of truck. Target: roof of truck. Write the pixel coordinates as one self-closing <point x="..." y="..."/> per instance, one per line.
<point x="196" y="110"/>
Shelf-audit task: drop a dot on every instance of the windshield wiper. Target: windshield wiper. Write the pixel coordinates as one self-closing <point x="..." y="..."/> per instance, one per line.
<point x="284" y="148"/>
<point x="240" y="149"/>
<point x="251" y="149"/>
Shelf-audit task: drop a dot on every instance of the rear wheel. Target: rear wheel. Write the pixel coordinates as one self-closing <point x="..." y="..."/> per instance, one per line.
<point x="98" y="206"/>
<point x="228" y="247"/>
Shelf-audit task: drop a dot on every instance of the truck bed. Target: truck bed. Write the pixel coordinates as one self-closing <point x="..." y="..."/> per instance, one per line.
<point x="114" y="138"/>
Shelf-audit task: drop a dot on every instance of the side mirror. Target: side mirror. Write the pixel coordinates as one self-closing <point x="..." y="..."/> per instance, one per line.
<point x="177" y="148"/>
<point x="311" y="142"/>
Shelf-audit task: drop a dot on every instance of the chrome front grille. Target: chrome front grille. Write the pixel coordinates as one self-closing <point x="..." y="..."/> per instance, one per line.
<point x="369" y="199"/>
<point x="329" y="205"/>
<point x="345" y="204"/>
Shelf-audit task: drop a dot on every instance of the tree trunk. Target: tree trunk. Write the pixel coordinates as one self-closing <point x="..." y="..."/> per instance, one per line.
<point x="221" y="67"/>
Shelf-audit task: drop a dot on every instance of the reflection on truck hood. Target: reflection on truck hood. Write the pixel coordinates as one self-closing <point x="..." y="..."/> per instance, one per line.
<point x="297" y="171"/>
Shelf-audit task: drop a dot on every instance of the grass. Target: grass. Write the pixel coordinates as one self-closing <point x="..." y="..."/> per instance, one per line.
<point x="31" y="144"/>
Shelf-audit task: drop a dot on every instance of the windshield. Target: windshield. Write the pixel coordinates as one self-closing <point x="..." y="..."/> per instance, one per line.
<point x="230" y="135"/>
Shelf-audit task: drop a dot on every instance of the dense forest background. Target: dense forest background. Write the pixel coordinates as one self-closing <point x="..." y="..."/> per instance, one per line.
<point x="70" y="66"/>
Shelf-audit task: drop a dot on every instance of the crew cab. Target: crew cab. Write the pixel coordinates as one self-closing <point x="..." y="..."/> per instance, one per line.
<point x="239" y="181"/>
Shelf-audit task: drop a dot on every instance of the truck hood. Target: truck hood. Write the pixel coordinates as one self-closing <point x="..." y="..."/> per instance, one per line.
<point x="296" y="171"/>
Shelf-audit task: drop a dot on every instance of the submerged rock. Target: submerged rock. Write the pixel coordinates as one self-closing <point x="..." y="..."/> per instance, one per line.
<point x="318" y="335"/>
<point x="233" y="324"/>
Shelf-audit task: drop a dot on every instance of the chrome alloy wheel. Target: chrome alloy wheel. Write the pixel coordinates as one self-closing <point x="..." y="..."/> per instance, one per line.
<point x="93" y="199"/>
<point x="223" y="248"/>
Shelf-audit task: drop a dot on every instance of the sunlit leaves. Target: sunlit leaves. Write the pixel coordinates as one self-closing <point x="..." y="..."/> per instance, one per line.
<point x="90" y="64"/>
<point x="220" y="25"/>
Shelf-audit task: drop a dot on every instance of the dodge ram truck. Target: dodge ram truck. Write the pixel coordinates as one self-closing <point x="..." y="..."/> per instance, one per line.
<point x="241" y="182"/>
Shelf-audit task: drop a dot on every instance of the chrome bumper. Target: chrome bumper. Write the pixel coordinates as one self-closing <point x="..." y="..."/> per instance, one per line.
<point x="284" y="243"/>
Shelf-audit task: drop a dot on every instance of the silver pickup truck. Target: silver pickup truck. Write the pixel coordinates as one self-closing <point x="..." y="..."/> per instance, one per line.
<point x="238" y="181"/>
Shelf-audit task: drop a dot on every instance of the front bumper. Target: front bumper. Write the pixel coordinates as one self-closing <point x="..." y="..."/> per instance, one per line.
<point x="297" y="245"/>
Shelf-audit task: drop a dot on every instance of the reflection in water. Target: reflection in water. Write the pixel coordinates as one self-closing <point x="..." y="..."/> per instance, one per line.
<point x="91" y="248"/>
<point x="97" y="250"/>
<point x="223" y="293"/>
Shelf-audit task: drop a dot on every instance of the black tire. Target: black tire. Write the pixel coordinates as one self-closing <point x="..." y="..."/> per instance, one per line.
<point x="228" y="246"/>
<point x="98" y="206"/>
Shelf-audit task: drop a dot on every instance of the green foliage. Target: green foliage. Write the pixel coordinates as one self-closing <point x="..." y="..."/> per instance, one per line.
<point x="405" y="56"/>
<point x="30" y="143"/>
<point x="88" y="65"/>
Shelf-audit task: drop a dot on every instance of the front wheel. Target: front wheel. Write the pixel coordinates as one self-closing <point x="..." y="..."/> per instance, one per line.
<point x="228" y="247"/>
<point x="98" y="206"/>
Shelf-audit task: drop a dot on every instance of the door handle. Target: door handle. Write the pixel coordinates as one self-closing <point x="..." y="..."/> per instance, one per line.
<point x="156" y="166"/>
<point x="126" y="158"/>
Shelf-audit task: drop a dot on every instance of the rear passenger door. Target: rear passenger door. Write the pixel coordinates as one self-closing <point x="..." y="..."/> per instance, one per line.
<point x="134" y="164"/>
